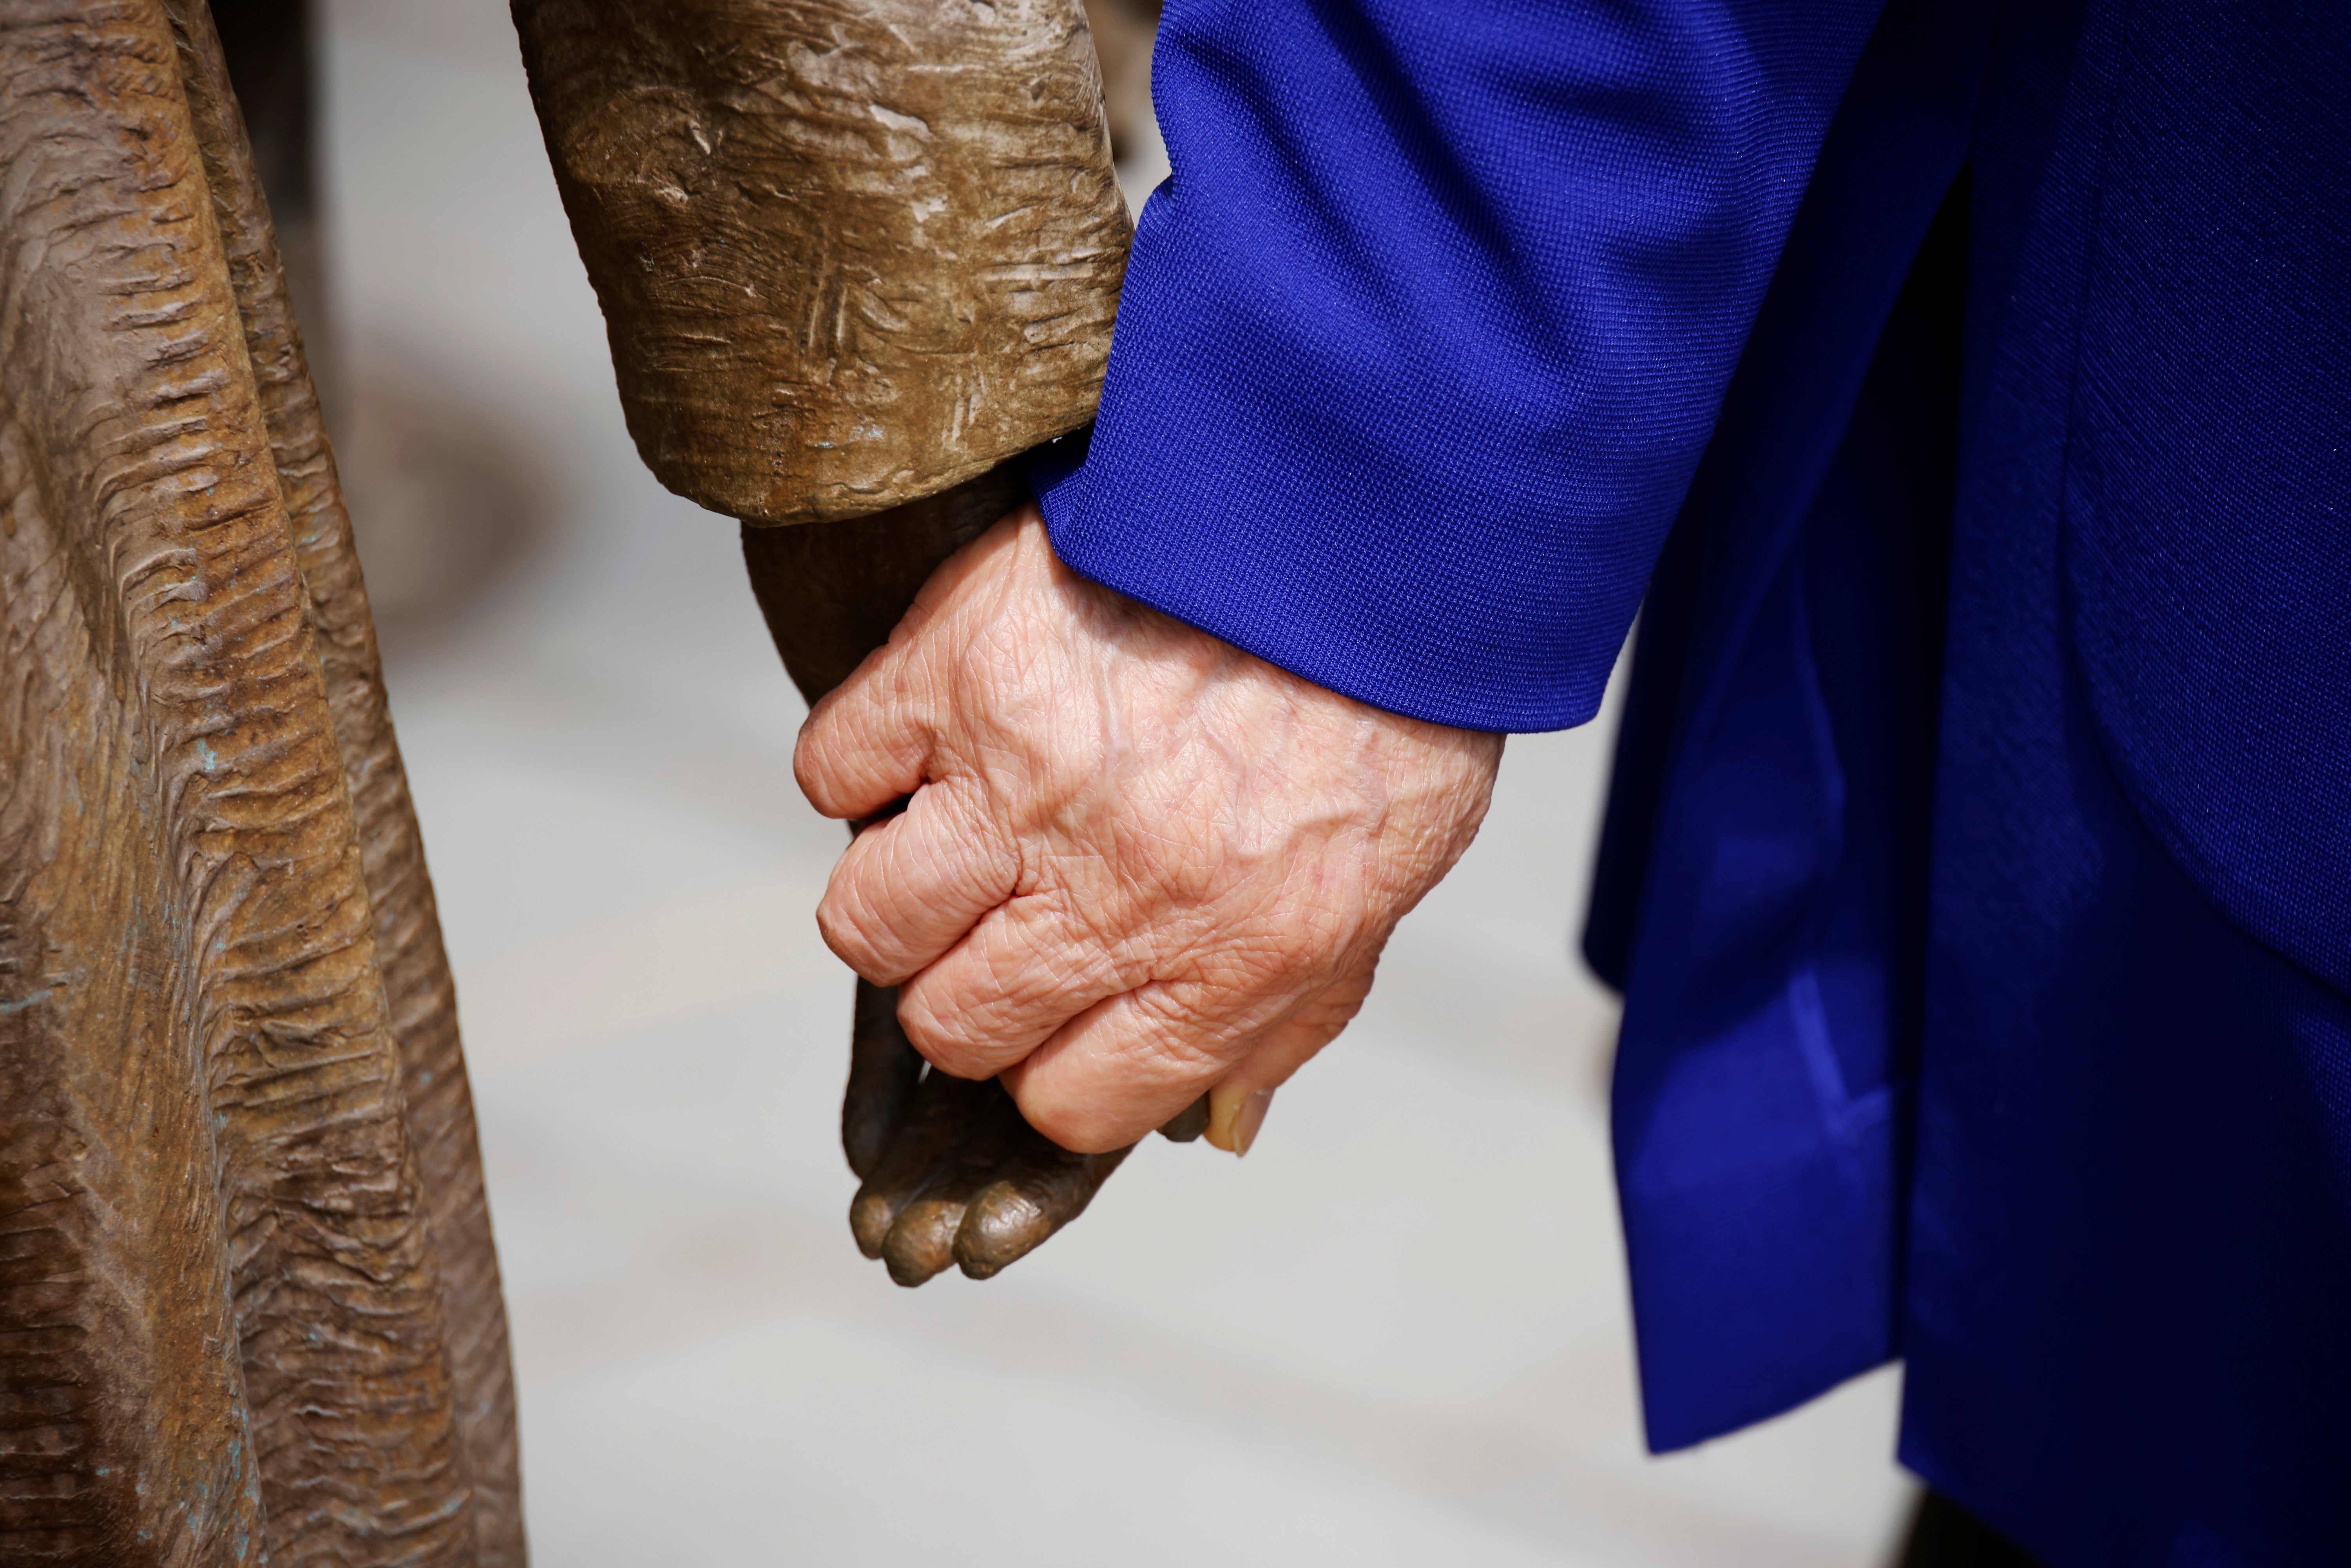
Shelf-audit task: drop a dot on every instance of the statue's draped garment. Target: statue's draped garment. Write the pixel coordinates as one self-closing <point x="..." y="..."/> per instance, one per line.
<point x="249" y="1308"/>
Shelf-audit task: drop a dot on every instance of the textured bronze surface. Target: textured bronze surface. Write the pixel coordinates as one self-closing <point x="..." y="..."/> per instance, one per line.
<point x="252" y="1310"/>
<point x="269" y="45"/>
<point x="1041" y="1188"/>
<point x="850" y="252"/>
<point x="882" y="1071"/>
<point x="855" y="257"/>
<point x="1189" y="1123"/>
<point x="921" y="1243"/>
<point x="417" y="985"/>
<point x="940" y="1115"/>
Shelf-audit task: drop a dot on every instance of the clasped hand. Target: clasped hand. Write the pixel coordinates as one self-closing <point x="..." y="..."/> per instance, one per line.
<point x="1137" y="863"/>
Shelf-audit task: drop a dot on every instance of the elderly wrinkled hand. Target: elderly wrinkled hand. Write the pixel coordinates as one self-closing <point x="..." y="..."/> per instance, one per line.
<point x="1137" y="863"/>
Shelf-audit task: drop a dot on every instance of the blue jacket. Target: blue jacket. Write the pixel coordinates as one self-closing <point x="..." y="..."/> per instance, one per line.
<point x="1965" y="390"/>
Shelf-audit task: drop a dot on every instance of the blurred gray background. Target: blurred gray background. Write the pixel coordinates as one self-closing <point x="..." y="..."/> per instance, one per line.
<point x="1230" y="1361"/>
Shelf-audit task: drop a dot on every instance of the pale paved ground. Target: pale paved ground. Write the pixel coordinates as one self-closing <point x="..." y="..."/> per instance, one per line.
<point x="1225" y="1362"/>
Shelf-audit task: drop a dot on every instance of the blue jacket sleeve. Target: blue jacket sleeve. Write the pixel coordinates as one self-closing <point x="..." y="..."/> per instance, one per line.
<point x="1422" y="340"/>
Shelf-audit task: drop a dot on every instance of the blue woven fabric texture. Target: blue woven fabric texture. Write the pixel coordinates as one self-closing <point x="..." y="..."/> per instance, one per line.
<point x="2128" y="1268"/>
<point x="1968" y="390"/>
<point x="1435" y="289"/>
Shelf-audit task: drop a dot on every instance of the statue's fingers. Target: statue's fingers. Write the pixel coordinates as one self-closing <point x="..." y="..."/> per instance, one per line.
<point x="937" y="1119"/>
<point x="1043" y="1188"/>
<point x="882" y="1071"/>
<point x="909" y="887"/>
<point x="1188" y="1123"/>
<point x="922" y="1240"/>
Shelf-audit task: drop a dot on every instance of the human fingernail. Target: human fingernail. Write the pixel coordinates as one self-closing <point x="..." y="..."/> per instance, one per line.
<point x="1252" y="1118"/>
<point x="1234" y="1117"/>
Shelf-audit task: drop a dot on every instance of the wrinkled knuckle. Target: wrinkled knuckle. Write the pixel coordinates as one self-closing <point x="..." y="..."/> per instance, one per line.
<point x="1076" y="1126"/>
<point x="946" y="1041"/>
<point x="936" y="850"/>
<point x="1170" y="1029"/>
<point x="956" y="801"/>
<point x="811" y="770"/>
<point x="1264" y="961"/>
<point x="954" y="1062"/>
<point x="847" y="929"/>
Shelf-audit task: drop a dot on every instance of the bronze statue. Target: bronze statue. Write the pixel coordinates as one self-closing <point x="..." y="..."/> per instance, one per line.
<point x="855" y="257"/>
<point x="252" y="1308"/>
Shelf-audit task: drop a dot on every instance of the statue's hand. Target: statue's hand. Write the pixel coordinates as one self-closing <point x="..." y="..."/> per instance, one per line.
<point x="1137" y="863"/>
<point x="951" y="1173"/>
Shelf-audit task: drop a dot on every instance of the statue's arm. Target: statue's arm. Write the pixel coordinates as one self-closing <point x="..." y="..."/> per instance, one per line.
<point x="856" y="258"/>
